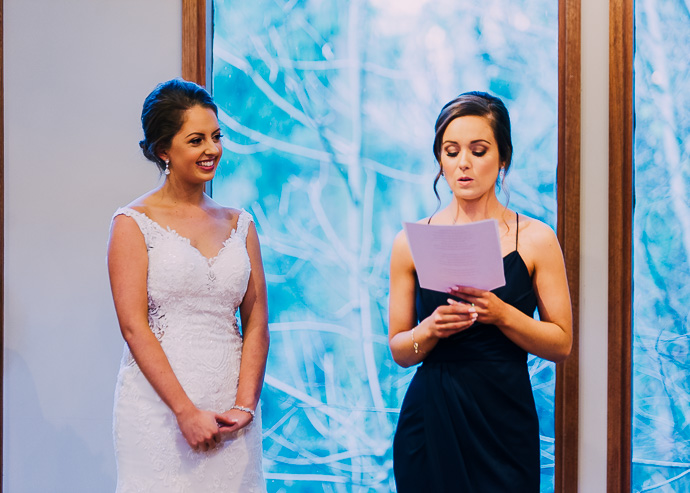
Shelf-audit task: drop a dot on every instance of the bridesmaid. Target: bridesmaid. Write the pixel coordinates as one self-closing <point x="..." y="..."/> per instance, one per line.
<point x="468" y="421"/>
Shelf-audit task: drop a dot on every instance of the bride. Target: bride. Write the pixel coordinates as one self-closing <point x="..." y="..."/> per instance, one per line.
<point x="186" y="415"/>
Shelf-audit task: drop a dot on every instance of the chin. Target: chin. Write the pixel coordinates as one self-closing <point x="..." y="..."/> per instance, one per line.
<point x="207" y="175"/>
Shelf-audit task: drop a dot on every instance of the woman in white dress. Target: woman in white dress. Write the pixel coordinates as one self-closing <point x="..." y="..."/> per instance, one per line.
<point x="186" y="416"/>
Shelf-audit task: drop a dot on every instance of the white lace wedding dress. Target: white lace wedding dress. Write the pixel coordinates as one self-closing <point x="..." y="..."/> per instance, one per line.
<point x="192" y="311"/>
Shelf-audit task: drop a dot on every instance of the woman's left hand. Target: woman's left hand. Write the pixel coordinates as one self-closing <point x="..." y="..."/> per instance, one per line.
<point x="490" y="308"/>
<point x="233" y="420"/>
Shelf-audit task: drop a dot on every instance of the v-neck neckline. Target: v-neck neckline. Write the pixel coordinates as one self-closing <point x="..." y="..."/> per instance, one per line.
<point x="168" y="229"/>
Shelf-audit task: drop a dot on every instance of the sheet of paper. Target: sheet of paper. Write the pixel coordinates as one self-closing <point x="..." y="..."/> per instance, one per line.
<point x="458" y="255"/>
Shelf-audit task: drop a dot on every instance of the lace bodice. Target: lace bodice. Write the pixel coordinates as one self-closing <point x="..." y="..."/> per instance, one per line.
<point x="181" y="281"/>
<point x="192" y="310"/>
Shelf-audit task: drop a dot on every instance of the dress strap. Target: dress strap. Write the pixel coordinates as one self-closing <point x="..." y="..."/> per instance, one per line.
<point x="243" y="223"/>
<point x="151" y="230"/>
<point x="517" y="228"/>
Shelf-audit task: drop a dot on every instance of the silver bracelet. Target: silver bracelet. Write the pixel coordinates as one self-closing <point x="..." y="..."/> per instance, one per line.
<point x="244" y="409"/>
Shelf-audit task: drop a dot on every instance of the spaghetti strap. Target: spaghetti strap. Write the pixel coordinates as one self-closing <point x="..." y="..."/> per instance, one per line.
<point x="517" y="228"/>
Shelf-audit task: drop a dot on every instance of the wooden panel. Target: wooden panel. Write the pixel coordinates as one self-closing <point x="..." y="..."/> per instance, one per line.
<point x="621" y="23"/>
<point x="2" y="234"/>
<point x="194" y="41"/>
<point x="568" y="188"/>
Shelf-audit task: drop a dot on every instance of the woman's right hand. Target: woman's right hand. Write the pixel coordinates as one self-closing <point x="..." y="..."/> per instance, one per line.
<point x="450" y="319"/>
<point x="199" y="428"/>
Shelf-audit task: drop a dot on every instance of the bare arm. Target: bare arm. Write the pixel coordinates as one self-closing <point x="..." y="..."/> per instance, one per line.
<point x="402" y="319"/>
<point x="254" y="316"/>
<point x="127" y="267"/>
<point x="551" y="337"/>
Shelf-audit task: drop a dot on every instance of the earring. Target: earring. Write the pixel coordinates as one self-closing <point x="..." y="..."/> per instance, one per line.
<point x="167" y="167"/>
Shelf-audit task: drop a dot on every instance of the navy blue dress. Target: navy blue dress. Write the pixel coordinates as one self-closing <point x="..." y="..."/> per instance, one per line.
<point x="468" y="423"/>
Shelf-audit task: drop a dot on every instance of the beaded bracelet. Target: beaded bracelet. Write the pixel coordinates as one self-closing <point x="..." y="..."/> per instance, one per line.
<point x="244" y="409"/>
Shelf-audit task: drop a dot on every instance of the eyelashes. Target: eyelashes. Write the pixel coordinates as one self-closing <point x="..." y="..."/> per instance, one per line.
<point x="474" y="153"/>
<point x="197" y="140"/>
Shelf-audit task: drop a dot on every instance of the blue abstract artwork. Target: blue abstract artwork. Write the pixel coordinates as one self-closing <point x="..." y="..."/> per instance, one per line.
<point x="661" y="249"/>
<point x="327" y="109"/>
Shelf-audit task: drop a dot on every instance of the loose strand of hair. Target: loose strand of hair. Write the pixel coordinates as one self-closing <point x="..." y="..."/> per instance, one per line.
<point x="504" y="188"/>
<point x="438" y="197"/>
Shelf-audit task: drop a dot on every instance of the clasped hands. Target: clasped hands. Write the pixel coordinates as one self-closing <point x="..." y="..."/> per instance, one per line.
<point x="477" y="306"/>
<point x="205" y="430"/>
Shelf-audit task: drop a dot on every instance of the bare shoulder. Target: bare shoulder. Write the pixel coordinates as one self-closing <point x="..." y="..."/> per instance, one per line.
<point x="123" y="225"/>
<point x="219" y="211"/>
<point x="537" y="242"/>
<point x="144" y="203"/>
<point x="233" y="214"/>
<point x="534" y="232"/>
<point x="401" y="256"/>
<point x="229" y="216"/>
<point x="125" y="235"/>
<point x="400" y="241"/>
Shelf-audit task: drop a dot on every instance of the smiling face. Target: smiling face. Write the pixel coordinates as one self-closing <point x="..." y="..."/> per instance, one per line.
<point x="196" y="149"/>
<point x="470" y="158"/>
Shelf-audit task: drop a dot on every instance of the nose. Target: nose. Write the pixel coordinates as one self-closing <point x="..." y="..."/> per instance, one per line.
<point x="212" y="148"/>
<point x="464" y="162"/>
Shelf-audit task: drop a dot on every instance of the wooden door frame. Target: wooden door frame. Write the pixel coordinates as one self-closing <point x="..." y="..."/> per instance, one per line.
<point x="568" y="230"/>
<point x="196" y="15"/>
<point x="2" y="239"/>
<point x="195" y="67"/>
<point x="619" y="434"/>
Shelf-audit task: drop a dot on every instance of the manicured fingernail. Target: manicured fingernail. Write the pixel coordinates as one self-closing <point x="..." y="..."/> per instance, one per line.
<point x="474" y="316"/>
<point x="451" y="302"/>
<point x="472" y="310"/>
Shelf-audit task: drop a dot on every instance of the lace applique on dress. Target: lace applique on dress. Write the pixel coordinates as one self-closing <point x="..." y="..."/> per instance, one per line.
<point x="243" y="223"/>
<point x="157" y="319"/>
<point x="151" y="231"/>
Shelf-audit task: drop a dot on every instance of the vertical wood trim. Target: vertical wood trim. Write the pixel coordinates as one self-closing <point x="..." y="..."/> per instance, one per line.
<point x="568" y="194"/>
<point x="194" y="35"/>
<point x="2" y="236"/>
<point x="197" y="28"/>
<point x="621" y="25"/>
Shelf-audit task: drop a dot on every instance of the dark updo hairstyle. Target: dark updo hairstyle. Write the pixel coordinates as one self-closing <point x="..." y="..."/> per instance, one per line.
<point x="476" y="103"/>
<point x="163" y="114"/>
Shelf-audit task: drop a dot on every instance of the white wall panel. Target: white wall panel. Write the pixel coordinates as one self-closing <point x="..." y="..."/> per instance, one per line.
<point x="76" y="74"/>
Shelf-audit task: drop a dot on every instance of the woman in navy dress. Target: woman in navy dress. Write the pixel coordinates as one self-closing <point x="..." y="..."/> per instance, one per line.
<point x="468" y="422"/>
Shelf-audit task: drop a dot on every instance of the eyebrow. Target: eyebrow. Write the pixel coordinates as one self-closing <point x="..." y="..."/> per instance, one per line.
<point x="476" y="141"/>
<point x="202" y="133"/>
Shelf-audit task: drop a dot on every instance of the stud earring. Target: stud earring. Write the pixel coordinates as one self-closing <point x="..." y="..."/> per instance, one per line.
<point x="167" y="167"/>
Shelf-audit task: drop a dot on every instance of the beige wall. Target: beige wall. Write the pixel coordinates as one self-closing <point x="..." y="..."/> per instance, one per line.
<point x="594" y="247"/>
<point x="76" y="74"/>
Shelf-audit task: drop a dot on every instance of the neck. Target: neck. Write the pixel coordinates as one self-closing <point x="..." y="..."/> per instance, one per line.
<point x="462" y="211"/>
<point x="175" y="192"/>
